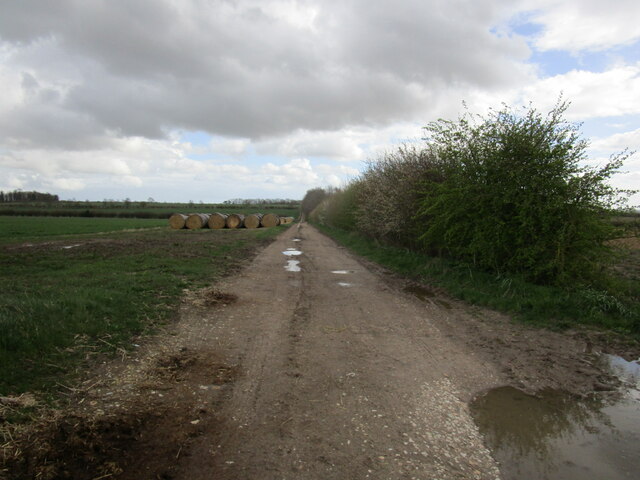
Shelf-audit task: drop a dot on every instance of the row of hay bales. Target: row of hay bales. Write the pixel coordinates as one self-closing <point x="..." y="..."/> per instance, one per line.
<point x="216" y="220"/>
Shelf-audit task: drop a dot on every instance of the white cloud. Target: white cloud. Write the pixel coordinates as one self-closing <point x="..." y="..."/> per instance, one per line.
<point x="577" y="25"/>
<point x="229" y="146"/>
<point x="313" y="66"/>
<point x="609" y="93"/>
<point x="618" y="142"/>
<point x="296" y="171"/>
<point x="67" y="184"/>
<point x="295" y="83"/>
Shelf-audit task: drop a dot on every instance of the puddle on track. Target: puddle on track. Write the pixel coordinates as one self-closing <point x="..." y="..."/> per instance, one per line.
<point x="555" y="436"/>
<point x="345" y="284"/>
<point x="341" y="272"/>
<point x="292" y="252"/>
<point x="293" y="266"/>
<point x="425" y="294"/>
<point x="420" y="291"/>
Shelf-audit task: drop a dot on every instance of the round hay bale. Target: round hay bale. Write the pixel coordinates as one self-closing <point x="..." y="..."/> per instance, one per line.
<point x="217" y="220"/>
<point x="286" y="220"/>
<point x="177" y="221"/>
<point x="270" y="220"/>
<point x="253" y="220"/>
<point x="197" y="220"/>
<point x="235" y="220"/>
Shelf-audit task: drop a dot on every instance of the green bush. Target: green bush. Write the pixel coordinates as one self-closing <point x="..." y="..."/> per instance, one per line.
<point x="389" y="195"/>
<point x="512" y="195"/>
<point x="311" y="200"/>
<point x="339" y="208"/>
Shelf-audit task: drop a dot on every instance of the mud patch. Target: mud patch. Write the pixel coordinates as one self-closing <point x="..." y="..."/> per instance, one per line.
<point x="216" y="297"/>
<point x="420" y="291"/>
<point x="142" y="438"/>
<point x="209" y="297"/>
<point x="141" y="430"/>
<point x="426" y="294"/>
<point x="196" y="368"/>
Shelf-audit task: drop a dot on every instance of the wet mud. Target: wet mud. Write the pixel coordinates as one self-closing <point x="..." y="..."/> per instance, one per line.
<point x="139" y="432"/>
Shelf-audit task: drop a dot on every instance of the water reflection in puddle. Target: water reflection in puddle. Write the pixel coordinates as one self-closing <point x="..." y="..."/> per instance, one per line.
<point x="341" y="272"/>
<point x="292" y="266"/>
<point x="292" y="252"/>
<point x="555" y="436"/>
<point x="297" y="240"/>
<point x="345" y="284"/>
<point x="628" y="372"/>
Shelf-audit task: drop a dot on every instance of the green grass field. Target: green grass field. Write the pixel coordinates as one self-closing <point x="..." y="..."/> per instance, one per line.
<point x="69" y="295"/>
<point x="19" y="229"/>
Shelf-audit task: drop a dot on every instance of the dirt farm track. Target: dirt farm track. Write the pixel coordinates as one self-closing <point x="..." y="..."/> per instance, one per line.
<point x="310" y="364"/>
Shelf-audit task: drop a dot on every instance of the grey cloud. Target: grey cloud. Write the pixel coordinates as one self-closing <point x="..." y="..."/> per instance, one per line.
<point x="236" y="68"/>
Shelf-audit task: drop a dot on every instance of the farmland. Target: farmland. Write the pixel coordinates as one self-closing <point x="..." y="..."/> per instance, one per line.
<point x="128" y="209"/>
<point x="71" y="288"/>
<point x="20" y="229"/>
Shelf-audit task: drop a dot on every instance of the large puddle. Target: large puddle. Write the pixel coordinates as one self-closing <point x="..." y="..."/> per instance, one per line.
<point x="555" y="436"/>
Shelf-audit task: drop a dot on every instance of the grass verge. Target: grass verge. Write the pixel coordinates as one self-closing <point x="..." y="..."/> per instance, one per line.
<point x="548" y="306"/>
<point x="59" y="305"/>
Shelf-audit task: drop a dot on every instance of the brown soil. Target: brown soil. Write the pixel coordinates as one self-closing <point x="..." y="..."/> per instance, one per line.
<point x="313" y="374"/>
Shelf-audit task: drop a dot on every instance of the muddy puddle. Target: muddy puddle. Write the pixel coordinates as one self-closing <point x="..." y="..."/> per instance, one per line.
<point x="426" y="295"/>
<point x="556" y="436"/>
<point x="342" y="272"/>
<point x="292" y="252"/>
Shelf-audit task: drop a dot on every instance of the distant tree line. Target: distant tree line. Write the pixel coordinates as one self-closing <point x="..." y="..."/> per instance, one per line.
<point x="20" y="196"/>
<point x="261" y="201"/>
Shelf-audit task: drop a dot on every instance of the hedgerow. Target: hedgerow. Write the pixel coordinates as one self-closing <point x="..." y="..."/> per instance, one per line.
<point x="514" y="195"/>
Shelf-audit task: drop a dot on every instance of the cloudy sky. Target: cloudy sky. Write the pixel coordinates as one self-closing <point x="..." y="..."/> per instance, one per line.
<point x="208" y="100"/>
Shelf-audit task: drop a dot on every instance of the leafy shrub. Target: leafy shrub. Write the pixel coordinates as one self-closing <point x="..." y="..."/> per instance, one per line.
<point x="311" y="200"/>
<point x="389" y="195"/>
<point x="512" y="195"/>
<point x="339" y="208"/>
